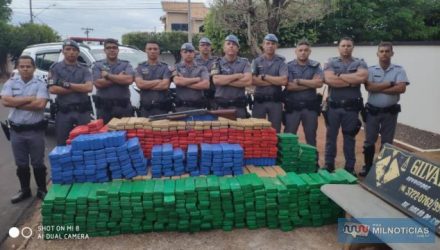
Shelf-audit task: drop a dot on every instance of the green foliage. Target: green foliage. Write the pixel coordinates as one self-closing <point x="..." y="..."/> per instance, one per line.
<point x="5" y="11"/>
<point x="169" y="41"/>
<point x="376" y="20"/>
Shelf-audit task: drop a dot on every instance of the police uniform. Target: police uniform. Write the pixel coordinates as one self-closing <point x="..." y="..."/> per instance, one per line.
<point x="154" y="102"/>
<point x="229" y="96"/>
<point x="343" y="112"/>
<point x="209" y="93"/>
<point x="302" y="106"/>
<point x="381" y="110"/>
<point x="187" y="98"/>
<point x="74" y="108"/>
<point x="27" y="134"/>
<point x="113" y="101"/>
<point x="267" y="99"/>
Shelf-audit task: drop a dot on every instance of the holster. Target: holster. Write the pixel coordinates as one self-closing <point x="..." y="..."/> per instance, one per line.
<point x="313" y="105"/>
<point x="5" y="127"/>
<point x="165" y="104"/>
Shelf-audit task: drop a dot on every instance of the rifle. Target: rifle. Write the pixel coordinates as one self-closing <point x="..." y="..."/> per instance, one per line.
<point x="230" y="114"/>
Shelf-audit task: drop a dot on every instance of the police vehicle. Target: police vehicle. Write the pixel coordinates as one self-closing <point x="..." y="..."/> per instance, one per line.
<point x="46" y="54"/>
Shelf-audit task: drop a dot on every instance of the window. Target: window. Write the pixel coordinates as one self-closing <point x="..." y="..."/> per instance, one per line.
<point x="179" y="27"/>
<point x="45" y="60"/>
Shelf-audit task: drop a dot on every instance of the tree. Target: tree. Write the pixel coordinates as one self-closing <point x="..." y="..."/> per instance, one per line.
<point x="5" y="11"/>
<point x="169" y="41"/>
<point x="251" y="20"/>
<point x="376" y="20"/>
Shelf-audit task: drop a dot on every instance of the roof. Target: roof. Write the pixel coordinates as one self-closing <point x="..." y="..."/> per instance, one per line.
<point x="198" y="10"/>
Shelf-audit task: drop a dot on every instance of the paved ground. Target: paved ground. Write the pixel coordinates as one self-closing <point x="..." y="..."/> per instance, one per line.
<point x="10" y="213"/>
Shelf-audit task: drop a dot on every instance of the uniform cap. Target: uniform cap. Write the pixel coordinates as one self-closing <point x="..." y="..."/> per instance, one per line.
<point x="72" y="43"/>
<point x="205" y="40"/>
<point x="187" y="46"/>
<point x="271" y="37"/>
<point x="232" y="38"/>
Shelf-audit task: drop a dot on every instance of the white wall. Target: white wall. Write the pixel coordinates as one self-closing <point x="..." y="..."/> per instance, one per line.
<point x="421" y="102"/>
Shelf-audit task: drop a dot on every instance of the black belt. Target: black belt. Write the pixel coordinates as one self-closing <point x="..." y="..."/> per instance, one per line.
<point x="165" y="104"/>
<point x="240" y="102"/>
<point x="356" y="104"/>
<point x="42" y="125"/>
<point x="291" y="105"/>
<point x="106" y="103"/>
<point x="80" y="107"/>
<point x="199" y="104"/>
<point x="267" y="98"/>
<point x="373" y="110"/>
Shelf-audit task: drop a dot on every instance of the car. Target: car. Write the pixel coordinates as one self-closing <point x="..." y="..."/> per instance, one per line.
<point x="46" y="54"/>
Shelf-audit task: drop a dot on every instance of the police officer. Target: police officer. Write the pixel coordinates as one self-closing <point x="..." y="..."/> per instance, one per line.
<point x="386" y="81"/>
<point x="231" y="77"/>
<point x="153" y="78"/>
<point x="301" y="103"/>
<point x="344" y="75"/>
<point x="190" y="79"/>
<point x="27" y="96"/>
<point x="112" y="78"/>
<point x="206" y="59"/>
<point x="70" y="81"/>
<point x="269" y="75"/>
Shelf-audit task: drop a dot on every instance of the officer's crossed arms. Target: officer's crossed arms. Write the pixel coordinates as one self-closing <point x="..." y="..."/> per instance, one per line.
<point x="152" y="49"/>
<point x="386" y="87"/>
<point x="349" y="79"/>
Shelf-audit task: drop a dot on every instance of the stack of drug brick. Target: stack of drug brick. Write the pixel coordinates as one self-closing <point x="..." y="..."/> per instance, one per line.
<point x="92" y="127"/>
<point x="98" y="158"/>
<point x="256" y="136"/>
<point x="258" y="199"/>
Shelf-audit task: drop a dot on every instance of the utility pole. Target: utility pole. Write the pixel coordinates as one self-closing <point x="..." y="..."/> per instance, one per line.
<point x="30" y="11"/>
<point x="189" y="22"/>
<point x="87" y="30"/>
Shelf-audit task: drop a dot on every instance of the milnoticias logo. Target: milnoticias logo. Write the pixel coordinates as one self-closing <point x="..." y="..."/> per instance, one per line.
<point x="356" y="229"/>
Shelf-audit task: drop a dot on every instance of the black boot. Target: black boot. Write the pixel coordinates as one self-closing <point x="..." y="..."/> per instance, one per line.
<point x="329" y="167"/>
<point x="24" y="176"/>
<point x="40" y="179"/>
<point x="368" y="158"/>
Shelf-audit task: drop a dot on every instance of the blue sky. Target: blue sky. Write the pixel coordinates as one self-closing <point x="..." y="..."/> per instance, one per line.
<point x="108" y="18"/>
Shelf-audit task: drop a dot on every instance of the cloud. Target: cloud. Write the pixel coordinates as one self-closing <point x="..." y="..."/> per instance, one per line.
<point x="113" y="20"/>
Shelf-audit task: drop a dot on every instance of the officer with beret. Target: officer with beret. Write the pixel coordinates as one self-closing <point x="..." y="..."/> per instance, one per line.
<point x="301" y="102"/>
<point x="206" y="59"/>
<point x="112" y="78"/>
<point x="71" y="81"/>
<point x="344" y="76"/>
<point x="231" y="77"/>
<point x="190" y="79"/>
<point x="27" y="96"/>
<point x="386" y="81"/>
<point x="269" y="75"/>
<point x="153" y="78"/>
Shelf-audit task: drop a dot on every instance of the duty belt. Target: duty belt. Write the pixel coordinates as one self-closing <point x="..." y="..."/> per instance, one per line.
<point x="80" y="107"/>
<point x="41" y="125"/>
<point x="356" y="104"/>
<point x="240" y="102"/>
<point x="199" y="104"/>
<point x="373" y="110"/>
<point x="291" y="105"/>
<point x="106" y="103"/>
<point x="267" y="98"/>
<point x="165" y="104"/>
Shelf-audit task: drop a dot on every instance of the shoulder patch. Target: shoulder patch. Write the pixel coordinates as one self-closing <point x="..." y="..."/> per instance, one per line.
<point x="244" y="59"/>
<point x="313" y="63"/>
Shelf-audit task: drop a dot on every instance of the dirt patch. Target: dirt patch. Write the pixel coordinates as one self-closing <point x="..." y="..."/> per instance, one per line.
<point x="417" y="137"/>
